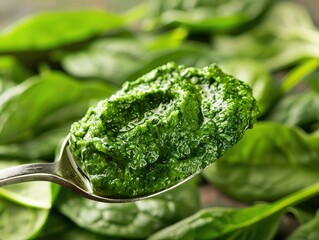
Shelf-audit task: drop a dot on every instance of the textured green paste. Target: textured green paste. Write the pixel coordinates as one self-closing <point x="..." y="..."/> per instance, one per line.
<point x="160" y="129"/>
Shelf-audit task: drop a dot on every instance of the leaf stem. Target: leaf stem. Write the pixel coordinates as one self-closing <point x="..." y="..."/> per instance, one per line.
<point x="298" y="197"/>
<point x="298" y="73"/>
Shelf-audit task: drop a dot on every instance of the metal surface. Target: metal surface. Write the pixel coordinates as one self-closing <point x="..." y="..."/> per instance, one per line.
<point x="64" y="172"/>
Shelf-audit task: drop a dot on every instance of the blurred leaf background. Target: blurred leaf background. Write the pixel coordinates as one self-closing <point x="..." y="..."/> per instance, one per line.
<point x="58" y="58"/>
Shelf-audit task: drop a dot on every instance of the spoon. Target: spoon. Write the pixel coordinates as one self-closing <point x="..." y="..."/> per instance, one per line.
<point x="66" y="173"/>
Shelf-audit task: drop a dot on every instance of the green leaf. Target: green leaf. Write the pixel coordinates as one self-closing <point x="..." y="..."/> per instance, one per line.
<point x="201" y="15"/>
<point x="257" y="77"/>
<point x="105" y="58"/>
<point x="299" y="109"/>
<point x="302" y="216"/>
<point x="20" y="222"/>
<point x="190" y="54"/>
<point x="309" y="230"/>
<point x="131" y="220"/>
<point x="11" y="73"/>
<point x="29" y="194"/>
<point x="298" y="74"/>
<point x="171" y="39"/>
<point x="256" y="222"/>
<point x="51" y="30"/>
<point x="59" y="227"/>
<point x="78" y="234"/>
<point x="55" y="224"/>
<point x="43" y="146"/>
<point x="313" y="82"/>
<point x="25" y="108"/>
<point x="271" y="161"/>
<point x="286" y="26"/>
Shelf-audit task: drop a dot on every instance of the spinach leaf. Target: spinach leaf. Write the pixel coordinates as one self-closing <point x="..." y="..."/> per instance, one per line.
<point x="192" y="54"/>
<point x="78" y="234"/>
<point x="299" y="109"/>
<point x="51" y="30"/>
<point x="34" y="194"/>
<point x="130" y="220"/>
<point x="105" y="58"/>
<point x="55" y="224"/>
<point x="202" y="15"/>
<point x="286" y="26"/>
<point x="11" y="73"/>
<point x="313" y="78"/>
<point x="257" y="77"/>
<point x="59" y="227"/>
<point x="20" y="222"/>
<point x="307" y="231"/>
<point x="255" y="222"/>
<point x="43" y="146"/>
<point x="302" y="216"/>
<point x="271" y="161"/>
<point x="25" y="108"/>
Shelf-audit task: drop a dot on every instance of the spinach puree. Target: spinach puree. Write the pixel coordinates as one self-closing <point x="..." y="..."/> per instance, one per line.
<point x="161" y="128"/>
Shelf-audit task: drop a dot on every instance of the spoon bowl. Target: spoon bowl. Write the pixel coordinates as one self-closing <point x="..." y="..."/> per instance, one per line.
<point x="66" y="173"/>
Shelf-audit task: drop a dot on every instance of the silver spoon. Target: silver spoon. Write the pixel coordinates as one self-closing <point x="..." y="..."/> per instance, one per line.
<point x="66" y="173"/>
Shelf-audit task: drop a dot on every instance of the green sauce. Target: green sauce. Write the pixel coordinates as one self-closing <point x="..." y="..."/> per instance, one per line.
<point x="160" y="129"/>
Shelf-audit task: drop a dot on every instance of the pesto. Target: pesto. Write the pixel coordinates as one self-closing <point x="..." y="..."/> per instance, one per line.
<point x="160" y="129"/>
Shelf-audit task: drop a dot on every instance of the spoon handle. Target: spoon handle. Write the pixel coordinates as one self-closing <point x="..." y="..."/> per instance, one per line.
<point x="29" y="172"/>
<point x="50" y="172"/>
